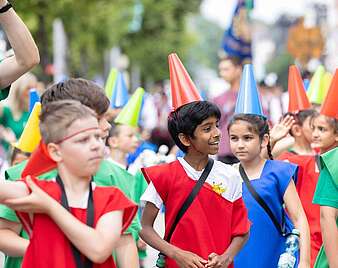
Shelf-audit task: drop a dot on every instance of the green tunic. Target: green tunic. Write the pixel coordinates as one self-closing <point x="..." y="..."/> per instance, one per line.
<point x="106" y="176"/>
<point x="326" y="193"/>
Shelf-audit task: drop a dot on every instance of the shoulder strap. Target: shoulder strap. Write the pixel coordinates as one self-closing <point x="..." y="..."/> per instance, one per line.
<point x="80" y="262"/>
<point x="187" y="202"/>
<point x="261" y="202"/>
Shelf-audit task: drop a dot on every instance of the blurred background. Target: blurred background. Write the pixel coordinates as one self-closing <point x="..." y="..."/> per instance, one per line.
<point x="87" y="38"/>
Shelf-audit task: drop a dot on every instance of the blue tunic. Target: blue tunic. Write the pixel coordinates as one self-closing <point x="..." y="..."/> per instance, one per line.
<point x="265" y="243"/>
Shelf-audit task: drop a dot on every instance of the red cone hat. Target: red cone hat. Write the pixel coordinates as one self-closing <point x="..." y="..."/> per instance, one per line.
<point x="39" y="162"/>
<point x="298" y="99"/>
<point x="183" y="89"/>
<point x="330" y="105"/>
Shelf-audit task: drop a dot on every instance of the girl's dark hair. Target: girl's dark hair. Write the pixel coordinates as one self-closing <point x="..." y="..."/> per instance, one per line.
<point x="333" y="122"/>
<point x="259" y="125"/>
<point x="186" y="119"/>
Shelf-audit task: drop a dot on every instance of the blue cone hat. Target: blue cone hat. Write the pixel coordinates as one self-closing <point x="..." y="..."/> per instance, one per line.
<point x="33" y="98"/>
<point x="120" y="93"/>
<point x="248" y="99"/>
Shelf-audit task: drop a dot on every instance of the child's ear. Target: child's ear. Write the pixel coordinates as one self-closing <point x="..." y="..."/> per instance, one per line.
<point x="184" y="139"/>
<point x="296" y="130"/>
<point x="54" y="152"/>
<point x="113" y="142"/>
<point x="265" y="140"/>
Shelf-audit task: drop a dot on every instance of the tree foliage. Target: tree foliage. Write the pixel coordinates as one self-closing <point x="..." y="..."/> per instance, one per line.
<point x="92" y="27"/>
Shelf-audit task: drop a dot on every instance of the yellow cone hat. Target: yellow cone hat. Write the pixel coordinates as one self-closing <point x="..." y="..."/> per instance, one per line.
<point x="129" y="115"/>
<point x="30" y="137"/>
<point x="110" y="82"/>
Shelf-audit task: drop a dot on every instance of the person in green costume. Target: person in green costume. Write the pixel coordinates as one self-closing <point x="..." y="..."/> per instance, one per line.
<point x="91" y="95"/>
<point x="326" y="196"/>
<point x="325" y="138"/>
<point x="123" y="140"/>
<point x="26" y="54"/>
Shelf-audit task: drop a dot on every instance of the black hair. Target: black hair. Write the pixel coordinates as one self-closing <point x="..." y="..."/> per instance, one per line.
<point x="187" y="117"/>
<point x="259" y="124"/>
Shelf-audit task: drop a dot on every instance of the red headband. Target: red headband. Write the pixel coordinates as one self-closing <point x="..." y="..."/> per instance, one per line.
<point x="74" y="134"/>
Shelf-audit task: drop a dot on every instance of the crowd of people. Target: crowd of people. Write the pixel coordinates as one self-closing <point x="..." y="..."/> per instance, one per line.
<point x="243" y="172"/>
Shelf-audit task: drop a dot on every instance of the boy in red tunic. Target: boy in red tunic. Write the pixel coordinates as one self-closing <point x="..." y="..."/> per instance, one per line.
<point x="83" y="230"/>
<point x="303" y="155"/>
<point x="215" y="226"/>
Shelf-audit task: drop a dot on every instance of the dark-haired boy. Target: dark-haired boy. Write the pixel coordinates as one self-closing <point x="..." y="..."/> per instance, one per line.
<point x="92" y="96"/>
<point x="215" y="226"/>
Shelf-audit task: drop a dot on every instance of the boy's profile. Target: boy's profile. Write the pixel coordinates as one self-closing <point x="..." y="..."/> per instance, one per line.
<point x="80" y="222"/>
<point x="215" y="226"/>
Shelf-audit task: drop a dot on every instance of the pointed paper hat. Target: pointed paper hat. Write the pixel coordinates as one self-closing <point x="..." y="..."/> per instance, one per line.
<point x="298" y="100"/>
<point x="327" y="78"/>
<point x="120" y="93"/>
<point x="110" y="83"/>
<point x="316" y="91"/>
<point x="33" y="98"/>
<point x="30" y="136"/>
<point x="330" y="105"/>
<point x="129" y="115"/>
<point x="39" y="162"/>
<point x="183" y="89"/>
<point x="248" y="99"/>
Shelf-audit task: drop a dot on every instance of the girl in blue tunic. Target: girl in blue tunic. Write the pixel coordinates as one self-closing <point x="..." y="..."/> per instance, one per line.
<point x="272" y="180"/>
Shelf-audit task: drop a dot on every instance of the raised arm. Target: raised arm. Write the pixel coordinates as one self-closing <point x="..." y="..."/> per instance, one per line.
<point x="26" y="54"/>
<point x="12" y="189"/>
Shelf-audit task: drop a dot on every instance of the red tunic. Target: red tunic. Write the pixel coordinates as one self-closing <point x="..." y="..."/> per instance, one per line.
<point x="308" y="174"/>
<point x="49" y="247"/>
<point x="210" y="222"/>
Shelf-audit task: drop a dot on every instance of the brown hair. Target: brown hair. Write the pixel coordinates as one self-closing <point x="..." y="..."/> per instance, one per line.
<point x="236" y="61"/>
<point x="57" y="116"/>
<point x="86" y="92"/>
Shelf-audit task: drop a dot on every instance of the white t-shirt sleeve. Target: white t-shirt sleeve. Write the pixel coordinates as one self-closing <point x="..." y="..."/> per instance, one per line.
<point x="152" y="196"/>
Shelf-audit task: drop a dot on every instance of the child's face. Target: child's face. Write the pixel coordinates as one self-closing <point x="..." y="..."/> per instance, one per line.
<point x="104" y="125"/>
<point x="206" y="137"/>
<point x="307" y="130"/>
<point x="323" y="134"/>
<point x="126" y="141"/>
<point x="245" y="144"/>
<point x="82" y="153"/>
<point x="19" y="157"/>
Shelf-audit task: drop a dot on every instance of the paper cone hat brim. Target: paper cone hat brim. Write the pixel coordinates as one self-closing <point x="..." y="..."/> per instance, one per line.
<point x="30" y="136"/>
<point x="130" y="113"/>
<point x="183" y="89"/>
<point x="248" y="99"/>
<point x="298" y="100"/>
<point x="120" y="93"/>
<point x="330" y="105"/>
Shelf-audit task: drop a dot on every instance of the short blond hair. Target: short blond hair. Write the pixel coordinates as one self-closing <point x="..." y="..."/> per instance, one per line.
<point x="56" y="117"/>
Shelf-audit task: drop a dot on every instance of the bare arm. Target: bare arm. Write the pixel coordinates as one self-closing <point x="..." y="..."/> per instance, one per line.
<point x="12" y="189"/>
<point x="126" y="252"/>
<point x="10" y="241"/>
<point x="151" y="237"/>
<point x="26" y="54"/>
<point x="328" y="216"/>
<point x="298" y="217"/>
<point x="97" y="244"/>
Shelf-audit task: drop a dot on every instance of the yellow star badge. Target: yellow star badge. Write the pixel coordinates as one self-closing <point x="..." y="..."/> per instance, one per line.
<point x="217" y="188"/>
